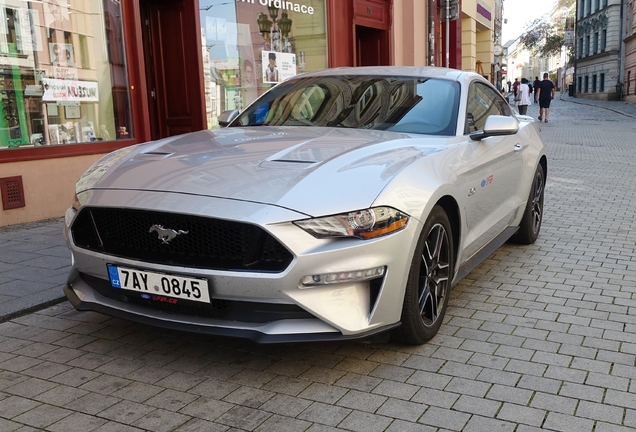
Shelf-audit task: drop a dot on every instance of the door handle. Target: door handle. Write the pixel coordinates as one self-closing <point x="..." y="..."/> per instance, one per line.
<point x="517" y="147"/>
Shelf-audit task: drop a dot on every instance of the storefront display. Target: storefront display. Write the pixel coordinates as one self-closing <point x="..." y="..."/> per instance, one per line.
<point x="63" y="73"/>
<point x="251" y="45"/>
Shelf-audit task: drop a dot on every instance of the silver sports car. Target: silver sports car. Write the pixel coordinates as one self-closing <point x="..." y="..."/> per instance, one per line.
<point x="341" y="204"/>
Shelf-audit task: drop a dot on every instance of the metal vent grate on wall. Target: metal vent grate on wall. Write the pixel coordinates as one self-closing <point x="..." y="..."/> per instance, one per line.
<point x="12" y="192"/>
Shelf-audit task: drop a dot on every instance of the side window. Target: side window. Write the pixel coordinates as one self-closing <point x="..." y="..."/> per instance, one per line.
<point x="483" y="101"/>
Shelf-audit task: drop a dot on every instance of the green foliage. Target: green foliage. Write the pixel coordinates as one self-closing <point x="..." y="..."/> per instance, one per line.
<point x="545" y="36"/>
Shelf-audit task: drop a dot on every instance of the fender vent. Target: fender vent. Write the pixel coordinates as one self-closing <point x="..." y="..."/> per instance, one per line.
<point x="12" y="192"/>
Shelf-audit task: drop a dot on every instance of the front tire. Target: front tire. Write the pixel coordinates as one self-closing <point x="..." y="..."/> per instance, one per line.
<point x="429" y="281"/>
<point x="530" y="225"/>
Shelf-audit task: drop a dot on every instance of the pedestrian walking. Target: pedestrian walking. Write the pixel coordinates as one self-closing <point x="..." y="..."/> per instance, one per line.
<point x="535" y="84"/>
<point x="544" y="95"/>
<point x="523" y="97"/>
<point x="515" y="86"/>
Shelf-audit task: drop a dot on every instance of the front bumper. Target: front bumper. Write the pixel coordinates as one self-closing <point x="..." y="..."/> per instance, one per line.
<point x="347" y="310"/>
<point x="84" y="298"/>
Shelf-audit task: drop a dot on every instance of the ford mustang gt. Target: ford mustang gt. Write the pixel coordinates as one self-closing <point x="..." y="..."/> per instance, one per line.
<point x="341" y="204"/>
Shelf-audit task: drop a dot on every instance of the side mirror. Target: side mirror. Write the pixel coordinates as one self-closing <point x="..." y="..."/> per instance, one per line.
<point x="496" y="126"/>
<point x="227" y="117"/>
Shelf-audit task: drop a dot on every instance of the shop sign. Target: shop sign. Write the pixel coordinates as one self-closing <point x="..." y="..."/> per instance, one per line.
<point x="484" y="11"/>
<point x="56" y="90"/>
<point x="65" y="73"/>
<point x="282" y="4"/>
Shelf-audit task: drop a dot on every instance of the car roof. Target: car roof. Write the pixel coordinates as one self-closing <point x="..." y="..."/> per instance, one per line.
<point x="392" y="71"/>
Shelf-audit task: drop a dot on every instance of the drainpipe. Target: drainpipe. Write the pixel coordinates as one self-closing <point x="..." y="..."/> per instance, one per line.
<point x="431" y="33"/>
<point x="448" y="33"/>
<point x="621" y="54"/>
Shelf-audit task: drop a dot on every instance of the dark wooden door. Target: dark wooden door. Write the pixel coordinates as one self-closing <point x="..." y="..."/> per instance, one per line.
<point x="370" y="49"/>
<point x="173" y="67"/>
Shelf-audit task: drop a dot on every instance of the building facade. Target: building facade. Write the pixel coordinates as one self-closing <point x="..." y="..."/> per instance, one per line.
<point x="478" y="36"/>
<point x="629" y="85"/>
<point x="599" y="49"/>
<point x="81" y="78"/>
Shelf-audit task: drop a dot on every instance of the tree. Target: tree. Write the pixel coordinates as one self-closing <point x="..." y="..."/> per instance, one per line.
<point x="546" y="36"/>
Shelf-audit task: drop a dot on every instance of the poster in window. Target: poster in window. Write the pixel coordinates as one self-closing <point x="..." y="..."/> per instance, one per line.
<point x="62" y="54"/>
<point x="277" y="66"/>
<point x="72" y="110"/>
<point x="56" y="15"/>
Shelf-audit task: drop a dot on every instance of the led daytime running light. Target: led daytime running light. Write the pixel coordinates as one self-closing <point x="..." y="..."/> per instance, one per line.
<point x="342" y="277"/>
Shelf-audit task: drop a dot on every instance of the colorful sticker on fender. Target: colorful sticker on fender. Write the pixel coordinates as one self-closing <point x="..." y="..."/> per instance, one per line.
<point x="487" y="181"/>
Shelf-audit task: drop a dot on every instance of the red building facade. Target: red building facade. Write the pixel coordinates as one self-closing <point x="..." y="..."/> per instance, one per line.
<point x="139" y="70"/>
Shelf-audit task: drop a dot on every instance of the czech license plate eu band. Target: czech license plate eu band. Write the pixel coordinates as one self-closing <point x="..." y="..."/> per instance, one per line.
<point x="158" y="284"/>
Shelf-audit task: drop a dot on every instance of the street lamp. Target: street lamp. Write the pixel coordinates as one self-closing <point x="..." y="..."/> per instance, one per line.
<point x="273" y="11"/>
<point x="264" y="26"/>
<point x="270" y="29"/>
<point x="284" y="23"/>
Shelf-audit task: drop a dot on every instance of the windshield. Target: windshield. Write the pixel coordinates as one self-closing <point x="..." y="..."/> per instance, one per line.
<point x="401" y="104"/>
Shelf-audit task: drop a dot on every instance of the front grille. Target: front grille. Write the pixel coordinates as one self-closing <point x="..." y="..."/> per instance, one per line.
<point x="202" y="243"/>
<point x="228" y="310"/>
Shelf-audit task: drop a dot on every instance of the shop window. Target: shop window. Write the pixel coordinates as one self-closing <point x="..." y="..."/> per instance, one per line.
<point x="249" y="47"/>
<point x="594" y="83"/>
<point x="601" y="83"/>
<point x="59" y="84"/>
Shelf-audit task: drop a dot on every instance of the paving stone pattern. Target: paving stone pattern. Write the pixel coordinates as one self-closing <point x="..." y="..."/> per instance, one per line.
<point x="34" y="263"/>
<point x="539" y="337"/>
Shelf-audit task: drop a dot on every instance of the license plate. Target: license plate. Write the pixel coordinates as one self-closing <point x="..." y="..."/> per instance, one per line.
<point x="159" y="284"/>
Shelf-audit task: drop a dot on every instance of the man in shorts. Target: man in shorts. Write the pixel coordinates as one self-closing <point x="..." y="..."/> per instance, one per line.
<point x="544" y="94"/>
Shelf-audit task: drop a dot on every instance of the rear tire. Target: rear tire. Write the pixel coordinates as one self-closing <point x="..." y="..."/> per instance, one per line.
<point x="429" y="282"/>
<point x="530" y="225"/>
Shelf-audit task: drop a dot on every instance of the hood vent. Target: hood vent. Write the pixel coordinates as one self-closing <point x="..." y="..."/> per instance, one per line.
<point x="153" y="155"/>
<point x="290" y="164"/>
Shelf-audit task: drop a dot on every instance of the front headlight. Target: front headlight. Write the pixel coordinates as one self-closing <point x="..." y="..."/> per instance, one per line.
<point x="363" y="224"/>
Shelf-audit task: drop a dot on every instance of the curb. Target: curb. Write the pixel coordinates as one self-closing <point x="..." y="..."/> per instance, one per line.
<point x="596" y="106"/>
<point x="30" y="309"/>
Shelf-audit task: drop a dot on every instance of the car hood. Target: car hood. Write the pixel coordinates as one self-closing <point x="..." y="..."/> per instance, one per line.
<point x="307" y="169"/>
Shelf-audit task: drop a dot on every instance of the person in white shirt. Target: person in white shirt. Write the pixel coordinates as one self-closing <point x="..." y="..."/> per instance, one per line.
<point x="524" y="97"/>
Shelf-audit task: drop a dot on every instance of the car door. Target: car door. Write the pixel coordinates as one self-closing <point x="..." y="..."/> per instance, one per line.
<point x="491" y="171"/>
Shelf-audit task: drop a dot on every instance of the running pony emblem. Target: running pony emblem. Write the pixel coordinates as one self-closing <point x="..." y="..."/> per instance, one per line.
<point x="166" y="235"/>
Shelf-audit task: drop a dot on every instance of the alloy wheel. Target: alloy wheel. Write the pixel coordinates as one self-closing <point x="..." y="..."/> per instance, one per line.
<point x="434" y="275"/>
<point x="537" y="205"/>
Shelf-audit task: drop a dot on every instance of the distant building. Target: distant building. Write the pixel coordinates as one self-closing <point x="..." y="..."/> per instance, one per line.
<point x="599" y="48"/>
<point x="629" y="86"/>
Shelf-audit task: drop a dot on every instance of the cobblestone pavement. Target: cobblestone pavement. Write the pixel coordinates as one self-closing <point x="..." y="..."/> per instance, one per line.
<point x="539" y="337"/>
<point x="34" y="263"/>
